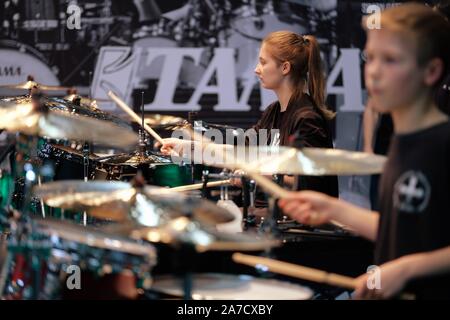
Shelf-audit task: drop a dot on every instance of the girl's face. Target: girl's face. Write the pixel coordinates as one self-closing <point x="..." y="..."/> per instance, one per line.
<point x="268" y="70"/>
<point x="393" y="78"/>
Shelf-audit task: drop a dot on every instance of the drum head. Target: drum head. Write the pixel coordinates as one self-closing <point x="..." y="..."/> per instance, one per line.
<point x="214" y="286"/>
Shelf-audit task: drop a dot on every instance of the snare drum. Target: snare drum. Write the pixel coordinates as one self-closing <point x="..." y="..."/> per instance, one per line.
<point x="215" y="286"/>
<point x="79" y="262"/>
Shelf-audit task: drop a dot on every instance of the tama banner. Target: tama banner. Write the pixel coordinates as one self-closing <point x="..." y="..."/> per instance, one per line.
<point x="184" y="55"/>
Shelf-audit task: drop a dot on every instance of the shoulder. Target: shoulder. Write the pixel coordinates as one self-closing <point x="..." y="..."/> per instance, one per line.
<point x="271" y="107"/>
<point x="304" y="109"/>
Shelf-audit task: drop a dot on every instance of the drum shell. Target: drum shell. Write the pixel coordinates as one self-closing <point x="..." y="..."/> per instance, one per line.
<point x="104" y="273"/>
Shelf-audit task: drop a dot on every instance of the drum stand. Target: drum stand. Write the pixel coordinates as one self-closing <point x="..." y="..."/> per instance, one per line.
<point x="270" y="225"/>
<point x="86" y="153"/>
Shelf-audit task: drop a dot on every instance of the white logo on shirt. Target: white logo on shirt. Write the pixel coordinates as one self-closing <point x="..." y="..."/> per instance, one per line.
<point x="412" y="192"/>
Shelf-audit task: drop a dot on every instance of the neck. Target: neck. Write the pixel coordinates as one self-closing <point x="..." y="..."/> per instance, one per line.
<point x="284" y="94"/>
<point x="422" y="114"/>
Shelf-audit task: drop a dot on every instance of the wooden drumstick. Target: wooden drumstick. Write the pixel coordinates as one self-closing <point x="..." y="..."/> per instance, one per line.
<point x="200" y="185"/>
<point x="297" y="271"/>
<point x="304" y="273"/>
<point x="133" y="115"/>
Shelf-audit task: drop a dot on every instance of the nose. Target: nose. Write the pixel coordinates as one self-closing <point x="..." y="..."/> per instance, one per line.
<point x="257" y="71"/>
<point x="373" y="70"/>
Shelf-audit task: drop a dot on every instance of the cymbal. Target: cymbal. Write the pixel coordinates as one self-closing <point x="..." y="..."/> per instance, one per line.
<point x="182" y="230"/>
<point x="304" y="161"/>
<point x="30" y="84"/>
<point x="136" y="159"/>
<point x="52" y="120"/>
<point x="162" y="120"/>
<point x="199" y="126"/>
<point x="149" y="206"/>
<point x="321" y="161"/>
<point x="85" y="101"/>
<point x="92" y="236"/>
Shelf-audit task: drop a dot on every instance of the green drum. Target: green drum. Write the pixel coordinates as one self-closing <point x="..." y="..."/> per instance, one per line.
<point x="169" y="175"/>
<point x="6" y="187"/>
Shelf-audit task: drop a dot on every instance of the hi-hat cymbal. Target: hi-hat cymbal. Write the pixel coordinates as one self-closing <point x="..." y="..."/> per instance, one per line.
<point x="136" y="159"/>
<point x="46" y="119"/>
<point x="92" y="103"/>
<point x="30" y="84"/>
<point x="155" y="120"/>
<point x="149" y="206"/>
<point x="182" y="230"/>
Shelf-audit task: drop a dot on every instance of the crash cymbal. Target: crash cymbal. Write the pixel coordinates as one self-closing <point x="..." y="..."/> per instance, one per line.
<point x="51" y="118"/>
<point x="321" y="161"/>
<point x="90" y="236"/>
<point x="305" y="161"/>
<point x="149" y="206"/>
<point x="182" y="230"/>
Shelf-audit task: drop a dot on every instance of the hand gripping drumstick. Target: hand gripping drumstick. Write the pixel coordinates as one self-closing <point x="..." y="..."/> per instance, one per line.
<point x="304" y="273"/>
<point x="296" y="271"/>
<point x="133" y="115"/>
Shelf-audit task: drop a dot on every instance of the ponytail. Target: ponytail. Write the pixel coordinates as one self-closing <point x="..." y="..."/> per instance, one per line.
<point x="315" y="76"/>
<point x="303" y="53"/>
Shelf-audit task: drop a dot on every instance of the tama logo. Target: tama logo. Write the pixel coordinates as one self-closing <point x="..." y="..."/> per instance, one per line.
<point x="10" y="71"/>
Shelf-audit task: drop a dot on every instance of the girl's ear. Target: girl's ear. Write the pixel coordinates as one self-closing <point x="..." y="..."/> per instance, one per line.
<point x="433" y="71"/>
<point x="286" y="67"/>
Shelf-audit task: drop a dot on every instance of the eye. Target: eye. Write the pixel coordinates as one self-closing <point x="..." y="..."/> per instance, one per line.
<point x="389" y="59"/>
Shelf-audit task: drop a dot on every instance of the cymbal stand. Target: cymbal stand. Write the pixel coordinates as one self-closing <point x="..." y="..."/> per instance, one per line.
<point x="270" y="224"/>
<point x="248" y="200"/>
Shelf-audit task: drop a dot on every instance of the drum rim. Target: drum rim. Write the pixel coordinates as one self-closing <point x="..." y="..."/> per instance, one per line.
<point x="93" y="238"/>
<point x="308" y="292"/>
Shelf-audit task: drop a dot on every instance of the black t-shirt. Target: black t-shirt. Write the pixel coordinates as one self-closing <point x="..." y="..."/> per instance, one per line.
<point x="414" y="202"/>
<point x="443" y="96"/>
<point x="383" y="134"/>
<point x="302" y="125"/>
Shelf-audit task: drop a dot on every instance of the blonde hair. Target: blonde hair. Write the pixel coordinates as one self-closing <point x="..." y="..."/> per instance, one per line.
<point x="429" y="29"/>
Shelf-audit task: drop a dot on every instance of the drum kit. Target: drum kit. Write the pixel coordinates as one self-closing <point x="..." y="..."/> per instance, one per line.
<point x="111" y="253"/>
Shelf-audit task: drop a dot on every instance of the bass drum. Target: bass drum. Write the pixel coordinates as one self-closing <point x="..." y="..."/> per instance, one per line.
<point x="17" y="61"/>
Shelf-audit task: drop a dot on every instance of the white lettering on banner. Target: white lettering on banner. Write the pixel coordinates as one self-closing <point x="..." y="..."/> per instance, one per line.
<point x="225" y="87"/>
<point x="173" y="58"/>
<point x="348" y="66"/>
<point x="115" y="71"/>
<point x="120" y="69"/>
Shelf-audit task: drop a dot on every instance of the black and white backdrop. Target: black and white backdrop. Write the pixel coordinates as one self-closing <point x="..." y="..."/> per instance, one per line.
<point x="186" y="55"/>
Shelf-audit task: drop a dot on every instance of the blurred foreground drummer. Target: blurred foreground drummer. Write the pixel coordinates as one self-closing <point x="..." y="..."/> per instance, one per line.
<point x="409" y="54"/>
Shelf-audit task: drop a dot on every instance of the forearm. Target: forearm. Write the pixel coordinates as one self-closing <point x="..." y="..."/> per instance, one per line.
<point x="430" y="263"/>
<point x="362" y="221"/>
